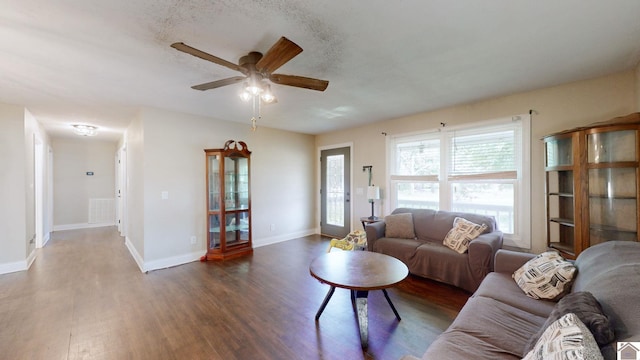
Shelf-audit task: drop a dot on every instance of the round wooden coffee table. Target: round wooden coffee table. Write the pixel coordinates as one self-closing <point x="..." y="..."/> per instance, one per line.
<point x="360" y="272"/>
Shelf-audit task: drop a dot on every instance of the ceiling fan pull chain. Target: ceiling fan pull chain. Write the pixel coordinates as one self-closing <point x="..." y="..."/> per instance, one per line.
<point x="253" y="118"/>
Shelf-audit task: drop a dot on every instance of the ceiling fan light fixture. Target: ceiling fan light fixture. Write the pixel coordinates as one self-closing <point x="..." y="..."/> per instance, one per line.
<point x="245" y="94"/>
<point x="85" y="130"/>
<point x="267" y="96"/>
<point x="254" y="90"/>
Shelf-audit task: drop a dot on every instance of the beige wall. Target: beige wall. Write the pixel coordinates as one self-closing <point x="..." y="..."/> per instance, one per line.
<point x="638" y="87"/>
<point x="72" y="159"/>
<point x="165" y="153"/>
<point x="555" y="109"/>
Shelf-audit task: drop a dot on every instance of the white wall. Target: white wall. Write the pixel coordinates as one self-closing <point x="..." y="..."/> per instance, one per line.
<point x="173" y="160"/>
<point x="18" y="131"/>
<point x="556" y="108"/>
<point x="12" y="185"/>
<point x="134" y="184"/>
<point x="73" y="158"/>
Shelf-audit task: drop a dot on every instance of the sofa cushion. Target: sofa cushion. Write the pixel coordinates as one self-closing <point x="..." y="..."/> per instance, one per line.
<point x="457" y="345"/>
<point x="587" y="309"/>
<point x="546" y="276"/>
<point x="565" y="338"/>
<point x="501" y="287"/>
<point x="611" y="272"/>
<point x="463" y="231"/>
<point x="437" y="262"/>
<point x="401" y="249"/>
<point x="399" y="226"/>
<point x="496" y="325"/>
<point x="434" y="225"/>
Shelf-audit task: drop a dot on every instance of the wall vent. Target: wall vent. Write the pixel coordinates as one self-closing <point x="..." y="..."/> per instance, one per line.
<point x="102" y="211"/>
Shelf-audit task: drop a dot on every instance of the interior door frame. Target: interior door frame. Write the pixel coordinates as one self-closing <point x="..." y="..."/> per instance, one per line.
<point x="121" y="190"/>
<point x="319" y="182"/>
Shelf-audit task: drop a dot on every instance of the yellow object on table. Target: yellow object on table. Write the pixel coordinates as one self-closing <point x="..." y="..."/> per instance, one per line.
<point x="355" y="240"/>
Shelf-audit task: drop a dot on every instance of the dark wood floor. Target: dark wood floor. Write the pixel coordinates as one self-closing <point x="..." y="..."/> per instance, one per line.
<point x="84" y="298"/>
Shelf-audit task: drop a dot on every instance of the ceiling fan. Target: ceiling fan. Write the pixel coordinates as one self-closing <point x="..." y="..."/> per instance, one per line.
<point x="256" y="68"/>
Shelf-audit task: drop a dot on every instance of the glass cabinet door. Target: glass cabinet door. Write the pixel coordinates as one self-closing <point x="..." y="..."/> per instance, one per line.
<point x="214" y="231"/>
<point x="237" y="227"/>
<point x="612" y="186"/>
<point x="214" y="182"/>
<point x="559" y="152"/>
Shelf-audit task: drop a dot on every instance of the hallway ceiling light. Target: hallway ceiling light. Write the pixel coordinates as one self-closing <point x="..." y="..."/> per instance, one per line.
<point x="85" y="130"/>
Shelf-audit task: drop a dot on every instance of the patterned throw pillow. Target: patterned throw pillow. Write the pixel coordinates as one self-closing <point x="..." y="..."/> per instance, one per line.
<point x="460" y="236"/>
<point x="546" y="276"/>
<point x="399" y="226"/>
<point x="565" y="338"/>
<point x="585" y="306"/>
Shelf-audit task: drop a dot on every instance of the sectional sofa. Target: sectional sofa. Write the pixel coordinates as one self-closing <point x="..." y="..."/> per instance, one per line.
<point x="499" y="320"/>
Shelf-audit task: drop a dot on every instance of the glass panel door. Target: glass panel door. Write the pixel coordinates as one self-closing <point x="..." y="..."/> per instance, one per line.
<point x="613" y="207"/>
<point x="335" y="190"/>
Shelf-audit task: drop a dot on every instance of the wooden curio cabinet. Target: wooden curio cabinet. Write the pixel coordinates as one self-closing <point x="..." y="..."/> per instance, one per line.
<point x="228" y="201"/>
<point x="592" y="188"/>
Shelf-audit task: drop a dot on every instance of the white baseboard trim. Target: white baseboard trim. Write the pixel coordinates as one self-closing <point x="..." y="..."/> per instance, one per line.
<point x="280" y="238"/>
<point x="172" y="261"/>
<point x="15" y="266"/>
<point x="195" y="256"/>
<point x="21" y="265"/>
<point x="31" y="258"/>
<point x="45" y="240"/>
<point x="81" y="226"/>
<point x="160" y="263"/>
<point x="135" y="254"/>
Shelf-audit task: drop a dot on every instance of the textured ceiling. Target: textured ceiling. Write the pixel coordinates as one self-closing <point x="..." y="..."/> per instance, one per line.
<point x="97" y="61"/>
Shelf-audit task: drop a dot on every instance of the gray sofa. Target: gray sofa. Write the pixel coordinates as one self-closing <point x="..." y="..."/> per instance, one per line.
<point x="499" y="319"/>
<point x="426" y="256"/>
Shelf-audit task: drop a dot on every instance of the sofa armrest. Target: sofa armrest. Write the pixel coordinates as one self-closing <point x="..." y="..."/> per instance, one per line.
<point x="482" y="251"/>
<point x="508" y="261"/>
<point x="374" y="232"/>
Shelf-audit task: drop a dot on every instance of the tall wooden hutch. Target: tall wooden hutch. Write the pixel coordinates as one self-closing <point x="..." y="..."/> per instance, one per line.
<point x="592" y="187"/>
<point x="228" y="201"/>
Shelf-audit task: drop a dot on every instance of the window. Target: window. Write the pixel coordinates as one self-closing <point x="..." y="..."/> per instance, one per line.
<point x="482" y="168"/>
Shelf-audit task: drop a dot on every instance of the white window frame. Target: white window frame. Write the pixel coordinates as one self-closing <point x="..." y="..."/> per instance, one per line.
<point x="521" y="236"/>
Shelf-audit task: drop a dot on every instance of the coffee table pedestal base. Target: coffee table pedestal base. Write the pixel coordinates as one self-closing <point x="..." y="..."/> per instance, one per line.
<point x="359" y="301"/>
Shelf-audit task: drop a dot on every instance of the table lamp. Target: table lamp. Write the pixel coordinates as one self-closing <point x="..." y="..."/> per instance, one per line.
<point x="373" y="194"/>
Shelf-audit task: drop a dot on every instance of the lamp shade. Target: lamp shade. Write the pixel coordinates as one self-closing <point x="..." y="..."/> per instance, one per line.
<point x="373" y="192"/>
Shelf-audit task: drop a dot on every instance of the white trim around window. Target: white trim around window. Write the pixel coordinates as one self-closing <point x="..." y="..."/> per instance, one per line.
<point x="482" y="167"/>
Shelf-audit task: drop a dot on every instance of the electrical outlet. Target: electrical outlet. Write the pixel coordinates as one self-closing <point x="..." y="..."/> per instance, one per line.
<point x="272" y="227"/>
<point x="193" y="240"/>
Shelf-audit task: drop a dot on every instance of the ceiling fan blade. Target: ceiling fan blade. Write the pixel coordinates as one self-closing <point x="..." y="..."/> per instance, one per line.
<point x="299" y="81"/>
<point x="218" y="83"/>
<point x="203" y="55"/>
<point x="281" y="52"/>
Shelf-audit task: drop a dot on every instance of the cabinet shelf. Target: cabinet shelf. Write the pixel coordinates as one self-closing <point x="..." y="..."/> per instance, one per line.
<point x="569" y="195"/>
<point x="591" y="196"/>
<point x="561" y="221"/>
<point x="609" y="228"/>
<point x="230" y="228"/>
<point x="565" y="248"/>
